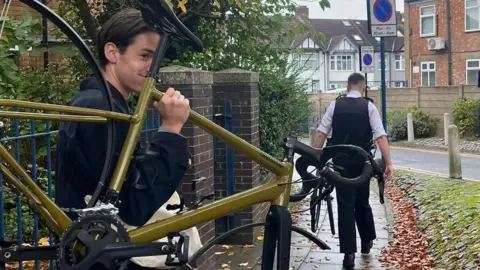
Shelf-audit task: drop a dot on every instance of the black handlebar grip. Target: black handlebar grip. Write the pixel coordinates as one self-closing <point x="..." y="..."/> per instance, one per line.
<point x="379" y="169"/>
<point x="308" y="183"/>
<point x="335" y="177"/>
<point x="314" y="155"/>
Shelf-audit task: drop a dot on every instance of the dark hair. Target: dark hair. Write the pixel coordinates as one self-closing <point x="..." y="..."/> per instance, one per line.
<point x="121" y="29"/>
<point x="355" y="79"/>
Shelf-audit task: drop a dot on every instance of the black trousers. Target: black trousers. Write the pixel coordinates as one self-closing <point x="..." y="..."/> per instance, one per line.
<point x="353" y="207"/>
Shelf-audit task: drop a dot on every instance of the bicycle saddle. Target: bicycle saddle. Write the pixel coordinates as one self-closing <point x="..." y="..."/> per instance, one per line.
<point x="158" y="16"/>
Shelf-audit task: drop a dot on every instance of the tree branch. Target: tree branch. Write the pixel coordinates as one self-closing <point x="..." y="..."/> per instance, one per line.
<point x="89" y="21"/>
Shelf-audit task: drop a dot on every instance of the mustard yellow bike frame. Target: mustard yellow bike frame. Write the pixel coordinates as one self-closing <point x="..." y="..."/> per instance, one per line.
<point x="276" y="192"/>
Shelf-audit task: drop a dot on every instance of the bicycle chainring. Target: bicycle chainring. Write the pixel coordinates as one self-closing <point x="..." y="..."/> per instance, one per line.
<point x="85" y="239"/>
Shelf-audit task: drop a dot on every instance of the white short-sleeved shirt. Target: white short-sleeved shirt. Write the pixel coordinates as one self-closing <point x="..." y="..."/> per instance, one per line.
<point x="375" y="122"/>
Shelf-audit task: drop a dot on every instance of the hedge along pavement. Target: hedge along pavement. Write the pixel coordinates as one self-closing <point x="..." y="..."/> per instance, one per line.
<point x="446" y="231"/>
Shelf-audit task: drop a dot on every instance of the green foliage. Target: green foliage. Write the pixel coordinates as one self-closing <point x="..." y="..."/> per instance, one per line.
<point x="424" y="125"/>
<point x="465" y="116"/>
<point x="10" y="202"/>
<point x="54" y="85"/>
<point x="15" y="35"/>
<point x="284" y="106"/>
<point x="449" y="214"/>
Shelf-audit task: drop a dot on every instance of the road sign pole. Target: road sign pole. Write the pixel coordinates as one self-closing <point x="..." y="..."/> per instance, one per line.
<point x="384" y="90"/>
<point x="366" y="85"/>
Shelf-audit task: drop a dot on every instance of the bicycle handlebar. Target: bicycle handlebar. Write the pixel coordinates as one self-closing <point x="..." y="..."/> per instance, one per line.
<point x="310" y="156"/>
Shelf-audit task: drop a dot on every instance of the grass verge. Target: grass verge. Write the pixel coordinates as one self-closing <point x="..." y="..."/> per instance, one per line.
<point x="448" y="213"/>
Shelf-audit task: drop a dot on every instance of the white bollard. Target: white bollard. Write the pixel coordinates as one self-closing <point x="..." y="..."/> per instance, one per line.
<point x="446" y="123"/>
<point x="454" y="159"/>
<point x="410" y="127"/>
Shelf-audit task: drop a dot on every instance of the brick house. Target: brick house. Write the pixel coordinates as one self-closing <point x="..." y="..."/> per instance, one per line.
<point x="442" y="42"/>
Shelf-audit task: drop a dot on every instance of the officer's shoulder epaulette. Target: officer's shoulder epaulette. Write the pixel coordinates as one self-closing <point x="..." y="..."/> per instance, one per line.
<point x="369" y="99"/>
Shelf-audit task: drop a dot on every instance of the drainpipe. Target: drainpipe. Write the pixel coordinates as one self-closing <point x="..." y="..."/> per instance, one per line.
<point x="449" y="42"/>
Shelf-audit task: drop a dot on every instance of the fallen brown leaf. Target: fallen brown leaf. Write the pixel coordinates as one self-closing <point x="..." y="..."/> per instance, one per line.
<point x="408" y="250"/>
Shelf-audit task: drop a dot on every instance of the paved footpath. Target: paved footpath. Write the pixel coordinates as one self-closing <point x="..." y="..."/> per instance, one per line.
<point x="304" y="256"/>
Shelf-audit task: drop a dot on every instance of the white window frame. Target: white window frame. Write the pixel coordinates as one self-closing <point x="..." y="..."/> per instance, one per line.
<point x="428" y="70"/>
<point x="301" y="60"/>
<point x="335" y="57"/>
<point x="434" y="15"/>
<point x="474" y="7"/>
<point x="387" y="56"/>
<point x="401" y="61"/>
<point x="467" y="69"/>
<point x="317" y="84"/>
<point x="308" y="57"/>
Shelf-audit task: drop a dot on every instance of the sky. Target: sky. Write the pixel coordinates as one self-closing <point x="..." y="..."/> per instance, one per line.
<point x="341" y="9"/>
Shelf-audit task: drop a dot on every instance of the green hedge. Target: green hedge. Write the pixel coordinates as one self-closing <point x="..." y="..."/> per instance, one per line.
<point x="424" y="124"/>
<point x="465" y="116"/>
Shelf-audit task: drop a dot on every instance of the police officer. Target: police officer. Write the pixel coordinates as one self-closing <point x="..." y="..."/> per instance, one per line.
<point x="354" y="120"/>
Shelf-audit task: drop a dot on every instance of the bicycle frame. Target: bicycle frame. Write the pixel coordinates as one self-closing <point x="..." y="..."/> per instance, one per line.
<point x="276" y="192"/>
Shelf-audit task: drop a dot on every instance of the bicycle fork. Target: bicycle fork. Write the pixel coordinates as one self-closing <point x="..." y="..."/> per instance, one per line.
<point x="278" y="227"/>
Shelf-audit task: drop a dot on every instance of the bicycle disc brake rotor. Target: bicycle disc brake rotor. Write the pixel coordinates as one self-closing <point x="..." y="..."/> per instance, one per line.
<point x="81" y="245"/>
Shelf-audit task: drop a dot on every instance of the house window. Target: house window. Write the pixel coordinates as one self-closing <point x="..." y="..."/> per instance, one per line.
<point x="397" y="84"/>
<point x="346" y="23"/>
<point x="472" y="15"/>
<point x="473" y="67"/>
<point x="308" y="61"/>
<point x="428" y="74"/>
<point x="315" y="86"/>
<point x="338" y="86"/>
<point x="357" y="37"/>
<point x="380" y="62"/>
<point x="427" y="21"/>
<point x="399" y="62"/>
<point x="341" y="62"/>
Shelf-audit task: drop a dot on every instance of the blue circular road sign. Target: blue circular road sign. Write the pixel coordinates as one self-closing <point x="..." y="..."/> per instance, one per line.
<point x="382" y="9"/>
<point x="367" y="59"/>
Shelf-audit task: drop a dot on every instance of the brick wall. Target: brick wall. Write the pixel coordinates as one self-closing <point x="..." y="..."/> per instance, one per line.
<point x="196" y="85"/>
<point x="435" y="100"/>
<point x="465" y="45"/>
<point x="241" y="89"/>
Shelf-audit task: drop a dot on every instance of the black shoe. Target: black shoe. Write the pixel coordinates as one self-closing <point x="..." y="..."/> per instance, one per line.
<point x="349" y="261"/>
<point x="366" y="246"/>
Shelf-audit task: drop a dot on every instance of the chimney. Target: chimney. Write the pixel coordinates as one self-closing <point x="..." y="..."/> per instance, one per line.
<point x="302" y="11"/>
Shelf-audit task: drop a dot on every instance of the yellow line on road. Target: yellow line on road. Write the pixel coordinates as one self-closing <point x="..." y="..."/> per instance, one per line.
<point x="432" y="151"/>
<point x="429" y="172"/>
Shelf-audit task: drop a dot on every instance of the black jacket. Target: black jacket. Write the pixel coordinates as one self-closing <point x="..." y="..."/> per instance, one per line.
<point x="154" y="172"/>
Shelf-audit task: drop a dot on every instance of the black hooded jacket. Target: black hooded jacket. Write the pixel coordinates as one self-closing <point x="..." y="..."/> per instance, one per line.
<point x="154" y="173"/>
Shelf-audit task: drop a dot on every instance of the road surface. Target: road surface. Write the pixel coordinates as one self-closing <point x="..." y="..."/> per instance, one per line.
<point x="433" y="161"/>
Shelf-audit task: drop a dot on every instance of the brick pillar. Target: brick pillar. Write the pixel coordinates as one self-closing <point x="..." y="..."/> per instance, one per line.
<point x="196" y="85"/>
<point x="239" y="87"/>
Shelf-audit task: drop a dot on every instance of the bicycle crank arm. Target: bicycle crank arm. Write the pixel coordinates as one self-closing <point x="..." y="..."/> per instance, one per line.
<point x="110" y="253"/>
<point x="28" y="254"/>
